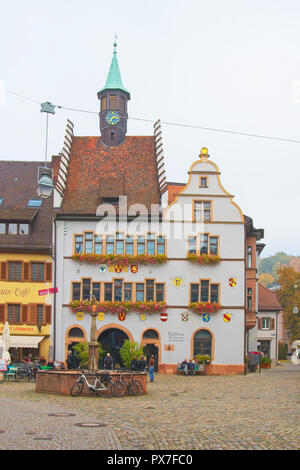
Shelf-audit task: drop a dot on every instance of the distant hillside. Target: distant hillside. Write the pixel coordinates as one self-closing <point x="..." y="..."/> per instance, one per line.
<point x="268" y="267"/>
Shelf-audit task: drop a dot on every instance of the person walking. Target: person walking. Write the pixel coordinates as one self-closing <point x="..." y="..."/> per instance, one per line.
<point x="142" y="364"/>
<point x="108" y="362"/>
<point x="151" y="368"/>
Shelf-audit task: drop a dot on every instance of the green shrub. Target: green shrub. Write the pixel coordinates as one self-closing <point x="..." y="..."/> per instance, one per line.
<point x="81" y="350"/>
<point x="129" y="350"/>
<point x="203" y="359"/>
<point x="282" y="351"/>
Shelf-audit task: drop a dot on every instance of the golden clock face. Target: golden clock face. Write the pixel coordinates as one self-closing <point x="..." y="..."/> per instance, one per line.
<point x="112" y="118"/>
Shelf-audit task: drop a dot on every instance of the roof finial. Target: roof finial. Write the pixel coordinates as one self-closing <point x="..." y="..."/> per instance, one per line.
<point x="115" y="43"/>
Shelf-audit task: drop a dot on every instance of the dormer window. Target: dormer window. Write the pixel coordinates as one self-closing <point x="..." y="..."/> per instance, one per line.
<point x="14" y="228"/>
<point x="34" y="203"/>
<point x="203" y="182"/>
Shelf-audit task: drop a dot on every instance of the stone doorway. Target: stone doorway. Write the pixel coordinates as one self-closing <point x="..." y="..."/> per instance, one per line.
<point x="111" y="341"/>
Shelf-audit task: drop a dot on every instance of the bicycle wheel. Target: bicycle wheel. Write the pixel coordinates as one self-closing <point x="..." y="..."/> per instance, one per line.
<point x="109" y="389"/>
<point x="77" y="388"/>
<point x="137" y="388"/>
<point x="119" y="389"/>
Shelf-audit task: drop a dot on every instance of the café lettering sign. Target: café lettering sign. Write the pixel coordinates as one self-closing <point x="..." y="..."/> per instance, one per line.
<point x="18" y="292"/>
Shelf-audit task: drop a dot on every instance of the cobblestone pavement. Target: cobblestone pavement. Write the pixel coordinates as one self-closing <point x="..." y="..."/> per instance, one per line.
<point x="256" y="411"/>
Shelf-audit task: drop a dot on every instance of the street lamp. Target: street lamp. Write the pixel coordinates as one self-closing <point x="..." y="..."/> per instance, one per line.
<point x="45" y="184"/>
<point x="295" y="309"/>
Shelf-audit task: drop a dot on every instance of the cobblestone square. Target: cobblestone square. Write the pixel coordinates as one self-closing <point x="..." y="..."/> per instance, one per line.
<point x="253" y="412"/>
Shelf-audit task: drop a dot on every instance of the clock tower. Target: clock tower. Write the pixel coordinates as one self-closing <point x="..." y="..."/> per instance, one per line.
<point x="113" y="106"/>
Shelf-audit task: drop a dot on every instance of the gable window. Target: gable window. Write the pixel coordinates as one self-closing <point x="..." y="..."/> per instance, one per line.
<point x="203" y="182"/>
<point x="213" y="245"/>
<point x="161" y="245"/>
<point x="192" y="245"/>
<point x="202" y="211"/>
<point x="203" y="244"/>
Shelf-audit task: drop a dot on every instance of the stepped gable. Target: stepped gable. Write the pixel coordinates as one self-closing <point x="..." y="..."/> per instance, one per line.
<point x="96" y="172"/>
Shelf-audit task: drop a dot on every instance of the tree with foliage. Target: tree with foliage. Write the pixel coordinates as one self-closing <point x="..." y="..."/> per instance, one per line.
<point x="289" y="297"/>
<point x="81" y="350"/>
<point x="267" y="280"/>
<point x="129" y="350"/>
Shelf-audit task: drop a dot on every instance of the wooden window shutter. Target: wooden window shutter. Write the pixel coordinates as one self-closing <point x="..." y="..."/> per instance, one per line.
<point x="2" y="313"/>
<point x="48" y="313"/>
<point x="48" y="272"/>
<point x="272" y="323"/>
<point x="32" y="314"/>
<point x="259" y="324"/>
<point x="25" y="271"/>
<point x="24" y="313"/>
<point x="3" y="271"/>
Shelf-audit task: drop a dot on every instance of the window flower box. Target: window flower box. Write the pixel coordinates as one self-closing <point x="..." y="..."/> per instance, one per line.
<point x="117" y="307"/>
<point x="123" y="260"/>
<point x="204" y="259"/>
<point x="205" y="307"/>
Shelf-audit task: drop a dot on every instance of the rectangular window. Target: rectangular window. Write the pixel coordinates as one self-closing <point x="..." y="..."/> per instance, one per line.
<point x="88" y="244"/>
<point x="213" y="245"/>
<point x="266" y="323"/>
<point x="112" y="101"/>
<point x="128" y="291"/>
<point x="192" y="245"/>
<point x="249" y="257"/>
<point x="119" y="244"/>
<point x="2" y="229"/>
<point x="108" y="291"/>
<point x="202" y="211"/>
<point x="141" y="245"/>
<point x="150" y="244"/>
<point x="76" y="291"/>
<point x="12" y="229"/>
<point x="203" y="182"/>
<point x="40" y="314"/>
<point x="78" y="244"/>
<point x="86" y="289"/>
<point x="14" y="313"/>
<point x="194" y="292"/>
<point x="249" y="298"/>
<point x="129" y="245"/>
<point x="122" y="104"/>
<point x="161" y="248"/>
<point x="140" y="292"/>
<point x="160" y="292"/>
<point x="98" y="244"/>
<point x="118" y="290"/>
<point x="103" y="103"/>
<point x="37" y="272"/>
<point x="96" y="290"/>
<point x="34" y="203"/>
<point x="214" y="293"/>
<point x="15" y="271"/>
<point x="23" y="229"/>
<point x="203" y="244"/>
<point x="109" y="245"/>
<point x="149" y="290"/>
<point x="204" y="291"/>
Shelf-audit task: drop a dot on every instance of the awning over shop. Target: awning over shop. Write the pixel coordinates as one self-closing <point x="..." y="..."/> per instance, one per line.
<point x="25" y="341"/>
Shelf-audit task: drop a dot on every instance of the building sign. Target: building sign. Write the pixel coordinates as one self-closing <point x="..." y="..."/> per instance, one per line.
<point x="16" y="292"/>
<point x="52" y="290"/>
<point x="174" y="335"/>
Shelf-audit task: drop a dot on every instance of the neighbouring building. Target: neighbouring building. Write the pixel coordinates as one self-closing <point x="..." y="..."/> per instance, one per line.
<point x="162" y="263"/>
<point x="25" y="260"/>
<point x="267" y="330"/>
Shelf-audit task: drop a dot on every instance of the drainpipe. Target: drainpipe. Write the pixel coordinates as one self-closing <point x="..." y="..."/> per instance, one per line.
<point x="54" y="312"/>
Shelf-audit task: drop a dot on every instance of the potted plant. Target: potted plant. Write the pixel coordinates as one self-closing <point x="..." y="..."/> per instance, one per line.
<point x="265" y="363"/>
<point x="202" y="360"/>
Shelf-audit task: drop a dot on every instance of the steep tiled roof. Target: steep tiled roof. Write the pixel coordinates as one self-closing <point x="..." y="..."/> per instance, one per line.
<point x="173" y="189"/>
<point x="96" y="172"/>
<point x="267" y="300"/>
<point x="18" y="182"/>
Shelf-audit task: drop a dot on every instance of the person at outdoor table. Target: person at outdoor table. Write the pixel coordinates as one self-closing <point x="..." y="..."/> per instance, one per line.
<point x="134" y="364"/>
<point x="184" y="366"/>
<point x="51" y="363"/>
<point x="108" y="362"/>
<point x="191" y="367"/>
<point x="142" y="364"/>
<point x="42" y="361"/>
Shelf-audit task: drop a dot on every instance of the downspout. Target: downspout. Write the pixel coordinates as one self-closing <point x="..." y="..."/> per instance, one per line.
<point x="54" y="313"/>
<point x="245" y="287"/>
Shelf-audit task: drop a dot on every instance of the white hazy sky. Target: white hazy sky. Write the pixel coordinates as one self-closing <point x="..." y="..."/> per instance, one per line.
<point x="230" y="65"/>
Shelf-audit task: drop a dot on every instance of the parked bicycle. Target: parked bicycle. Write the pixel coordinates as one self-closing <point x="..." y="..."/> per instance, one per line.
<point x="102" y="385"/>
<point x="134" y="387"/>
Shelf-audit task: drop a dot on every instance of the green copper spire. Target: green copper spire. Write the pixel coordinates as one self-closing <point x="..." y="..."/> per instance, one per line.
<point x="114" y="80"/>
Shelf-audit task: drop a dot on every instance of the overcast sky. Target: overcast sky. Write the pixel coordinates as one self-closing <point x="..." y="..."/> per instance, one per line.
<point x="230" y="65"/>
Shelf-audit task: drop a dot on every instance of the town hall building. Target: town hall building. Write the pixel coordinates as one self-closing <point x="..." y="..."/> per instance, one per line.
<point x="163" y="264"/>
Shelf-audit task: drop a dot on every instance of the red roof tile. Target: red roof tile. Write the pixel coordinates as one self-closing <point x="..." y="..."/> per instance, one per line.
<point x="267" y="300"/>
<point x="96" y="171"/>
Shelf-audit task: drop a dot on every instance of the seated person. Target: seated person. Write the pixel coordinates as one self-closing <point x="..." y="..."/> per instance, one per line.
<point x="184" y="365"/>
<point x="191" y="367"/>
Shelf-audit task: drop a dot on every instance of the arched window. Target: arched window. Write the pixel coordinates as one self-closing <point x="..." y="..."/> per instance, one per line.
<point x="76" y="333"/>
<point x="202" y="343"/>
<point x="150" y="334"/>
